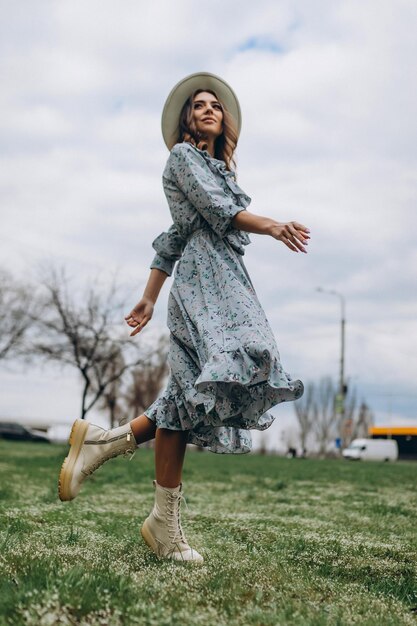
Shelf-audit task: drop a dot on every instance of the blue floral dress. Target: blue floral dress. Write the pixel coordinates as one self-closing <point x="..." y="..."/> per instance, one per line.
<point x="225" y="370"/>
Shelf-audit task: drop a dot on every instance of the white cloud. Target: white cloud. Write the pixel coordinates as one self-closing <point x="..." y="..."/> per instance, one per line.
<point x="329" y="138"/>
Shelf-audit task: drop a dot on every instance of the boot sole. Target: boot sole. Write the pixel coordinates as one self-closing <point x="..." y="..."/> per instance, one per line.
<point x="76" y="440"/>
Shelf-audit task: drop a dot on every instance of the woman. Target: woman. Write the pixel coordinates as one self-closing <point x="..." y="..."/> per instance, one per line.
<point x="225" y="371"/>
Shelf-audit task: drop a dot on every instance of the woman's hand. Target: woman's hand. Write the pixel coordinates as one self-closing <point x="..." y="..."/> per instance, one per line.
<point x="293" y="234"/>
<point x="140" y="315"/>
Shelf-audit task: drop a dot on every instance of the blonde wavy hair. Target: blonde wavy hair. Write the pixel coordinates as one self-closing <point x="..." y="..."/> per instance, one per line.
<point x="225" y="144"/>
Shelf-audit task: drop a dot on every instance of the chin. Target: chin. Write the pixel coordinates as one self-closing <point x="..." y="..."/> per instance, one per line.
<point x="210" y="132"/>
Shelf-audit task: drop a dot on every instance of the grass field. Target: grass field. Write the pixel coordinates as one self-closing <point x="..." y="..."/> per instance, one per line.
<point x="285" y="541"/>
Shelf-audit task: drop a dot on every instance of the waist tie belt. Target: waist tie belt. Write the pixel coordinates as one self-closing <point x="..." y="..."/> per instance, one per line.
<point x="236" y="238"/>
<point x="198" y="231"/>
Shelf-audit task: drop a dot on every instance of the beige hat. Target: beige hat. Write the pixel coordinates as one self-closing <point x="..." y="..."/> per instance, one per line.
<point x="183" y="90"/>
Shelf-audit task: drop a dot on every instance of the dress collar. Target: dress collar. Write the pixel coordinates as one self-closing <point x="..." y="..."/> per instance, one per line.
<point x="217" y="163"/>
<point x="237" y="238"/>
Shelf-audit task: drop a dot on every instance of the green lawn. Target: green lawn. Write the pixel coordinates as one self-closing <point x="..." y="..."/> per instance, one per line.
<point x="285" y="541"/>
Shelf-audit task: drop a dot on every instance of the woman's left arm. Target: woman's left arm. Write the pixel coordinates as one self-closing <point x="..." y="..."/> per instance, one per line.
<point x="293" y="234"/>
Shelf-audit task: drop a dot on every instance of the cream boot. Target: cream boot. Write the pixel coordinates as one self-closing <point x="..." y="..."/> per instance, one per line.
<point x="162" y="528"/>
<point x="91" y="446"/>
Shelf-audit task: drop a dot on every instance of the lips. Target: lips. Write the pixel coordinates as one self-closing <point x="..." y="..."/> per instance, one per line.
<point x="208" y="119"/>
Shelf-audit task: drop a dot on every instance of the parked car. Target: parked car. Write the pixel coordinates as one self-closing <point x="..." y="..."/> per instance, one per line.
<point x="372" y="450"/>
<point x="17" y="432"/>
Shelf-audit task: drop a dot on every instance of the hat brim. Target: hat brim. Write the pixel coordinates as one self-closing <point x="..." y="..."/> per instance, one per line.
<point x="183" y="90"/>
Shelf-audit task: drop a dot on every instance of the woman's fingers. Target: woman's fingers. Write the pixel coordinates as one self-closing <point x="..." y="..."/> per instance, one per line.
<point x="296" y="244"/>
<point x="130" y="316"/>
<point x="299" y="226"/>
<point x="298" y="232"/>
<point x="298" y="239"/>
<point x="138" y="318"/>
<point x="139" y="326"/>
<point x="134" y="317"/>
<point x="294" y="235"/>
<point x="133" y="321"/>
<point x="289" y="244"/>
<point x="136" y="322"/>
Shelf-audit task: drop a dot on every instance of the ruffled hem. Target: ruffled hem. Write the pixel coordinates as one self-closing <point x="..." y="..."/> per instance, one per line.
<point x="232" y="395"/>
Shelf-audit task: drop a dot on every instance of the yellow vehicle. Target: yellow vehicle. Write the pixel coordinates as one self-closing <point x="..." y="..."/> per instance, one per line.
<point x="405" y="436"/>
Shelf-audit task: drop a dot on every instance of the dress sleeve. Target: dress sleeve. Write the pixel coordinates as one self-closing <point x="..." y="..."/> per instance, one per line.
<point x="198" y="183"/>
<point x="169" y="246"/>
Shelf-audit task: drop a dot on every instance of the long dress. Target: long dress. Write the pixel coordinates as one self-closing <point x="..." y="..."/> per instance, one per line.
<point x="225" y="369"/>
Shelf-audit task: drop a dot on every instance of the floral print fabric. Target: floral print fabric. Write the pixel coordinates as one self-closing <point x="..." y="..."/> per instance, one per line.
<point x="225" y="370"/>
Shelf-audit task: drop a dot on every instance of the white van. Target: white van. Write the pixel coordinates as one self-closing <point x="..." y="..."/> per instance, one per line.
<point x="372" y="450"/>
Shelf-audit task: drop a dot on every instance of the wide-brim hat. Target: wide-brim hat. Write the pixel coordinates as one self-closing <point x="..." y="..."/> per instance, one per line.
<point x="183" y="90"/>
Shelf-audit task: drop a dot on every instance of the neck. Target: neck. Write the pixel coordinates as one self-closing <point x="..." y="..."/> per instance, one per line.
<point x="210" y="146"/>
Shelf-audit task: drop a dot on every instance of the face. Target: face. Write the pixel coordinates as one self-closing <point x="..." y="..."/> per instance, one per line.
<point x="208" y="115"/>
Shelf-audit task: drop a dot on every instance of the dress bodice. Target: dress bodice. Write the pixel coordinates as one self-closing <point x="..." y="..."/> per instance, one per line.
<point x="201" y="193"/>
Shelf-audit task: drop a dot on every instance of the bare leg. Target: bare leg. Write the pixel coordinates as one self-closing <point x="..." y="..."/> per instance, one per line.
<point x="162" y="529"/>
<point x="143" y="429"/>
<point x="170" y="448"/>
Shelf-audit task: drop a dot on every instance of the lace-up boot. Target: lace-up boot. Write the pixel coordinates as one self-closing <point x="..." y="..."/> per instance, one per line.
<point x="162" y="528"/>
<point x="91" y="446"/>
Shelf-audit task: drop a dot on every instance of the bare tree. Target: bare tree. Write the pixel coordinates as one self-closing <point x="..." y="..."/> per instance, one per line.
<point x="364" y="419"/>
<point x="15" y="320"/>
<point x="304" y="410"/>
<point x="126" y="399"/>
<point x="85" y="334"/>
<point x="357" y="420"/>
<point x="325" y="417"/>
<point x="111" y="399"/>
<point x="146" y="380"/>
<point x="317" y="413"/>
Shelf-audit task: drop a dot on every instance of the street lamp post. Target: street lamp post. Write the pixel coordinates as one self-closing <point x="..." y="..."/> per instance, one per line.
<point x="342" y="386"/>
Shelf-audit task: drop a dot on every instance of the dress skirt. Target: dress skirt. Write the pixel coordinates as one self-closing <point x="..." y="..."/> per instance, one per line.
<point x="225" y="369"/>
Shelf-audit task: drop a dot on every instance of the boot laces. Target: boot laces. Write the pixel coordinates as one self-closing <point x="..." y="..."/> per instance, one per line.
<point x="176" y="533"/>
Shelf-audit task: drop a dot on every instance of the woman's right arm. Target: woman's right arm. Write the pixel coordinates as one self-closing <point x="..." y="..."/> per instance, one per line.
<point x="143" y="311"/>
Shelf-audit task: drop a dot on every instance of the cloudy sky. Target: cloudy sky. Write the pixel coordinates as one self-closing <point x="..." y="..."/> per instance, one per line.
<point x="328" y="96"/>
